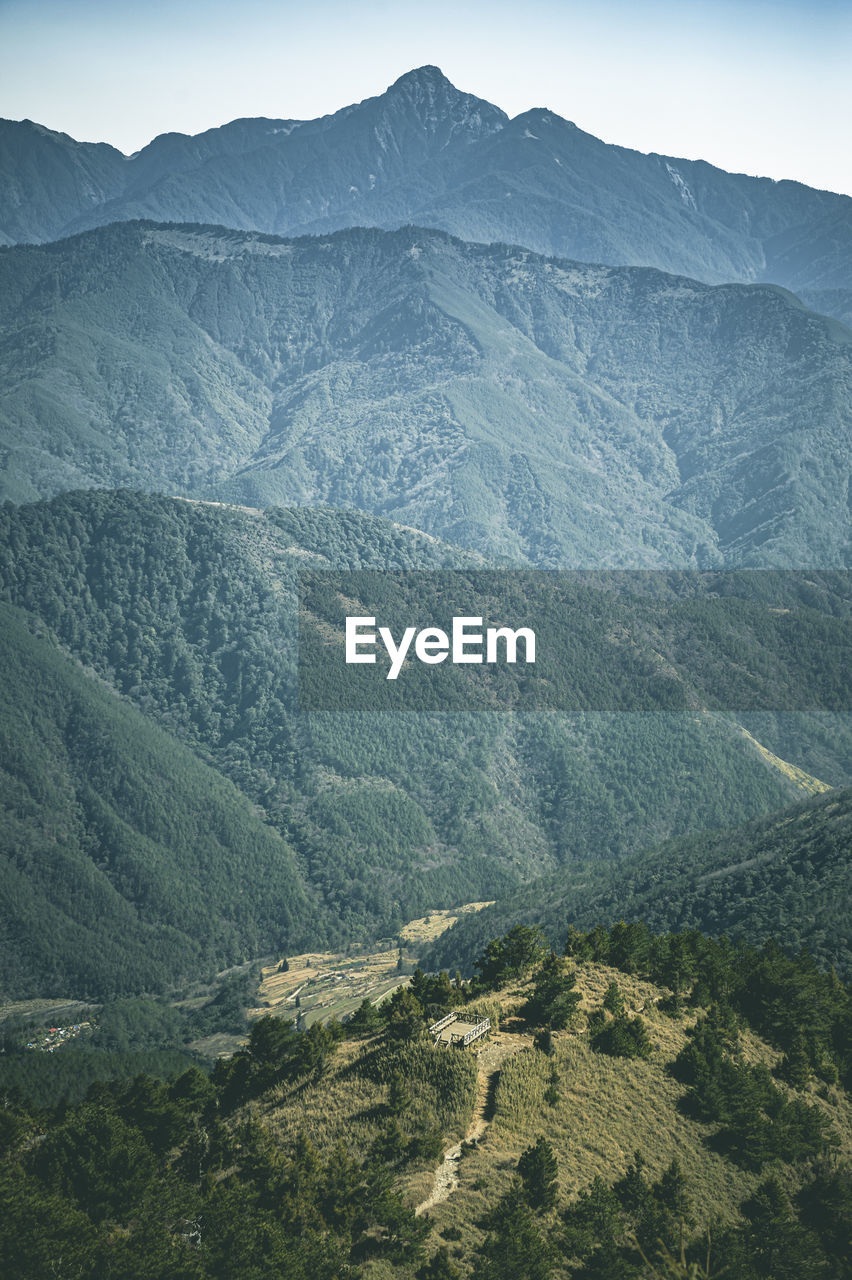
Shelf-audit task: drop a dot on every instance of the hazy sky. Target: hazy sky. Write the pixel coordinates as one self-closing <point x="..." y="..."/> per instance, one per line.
<point x="755" y="86"/>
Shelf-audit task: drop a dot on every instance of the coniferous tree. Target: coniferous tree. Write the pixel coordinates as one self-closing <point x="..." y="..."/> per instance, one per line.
<point x="539" y="1172"/>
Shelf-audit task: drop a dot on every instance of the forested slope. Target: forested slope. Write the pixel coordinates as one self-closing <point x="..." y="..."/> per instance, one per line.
<point x="126" y="864"/>
<point x="787" y="876"/>
<point x="187" y="611"/>
<point x="638" y="1104"/>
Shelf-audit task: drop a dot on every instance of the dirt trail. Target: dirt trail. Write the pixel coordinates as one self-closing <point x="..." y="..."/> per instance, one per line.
<point x="490" y="1060"/>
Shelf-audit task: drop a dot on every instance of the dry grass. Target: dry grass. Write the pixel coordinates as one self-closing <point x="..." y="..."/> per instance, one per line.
<point x="418" y="932"/>
<point x="348" y="1103"/>
<point x="593" y="979"/>
<point x="608" y="1108"/>
<point x="219" y="1045"/>
<point x="52" y="1011"/>
<point x="805" y="781"/>
<point x="344" y="1106"/>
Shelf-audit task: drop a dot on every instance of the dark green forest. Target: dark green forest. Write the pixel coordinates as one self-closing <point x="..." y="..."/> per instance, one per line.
<point x="785" y="877"/>
<point x="128" y="863"/>
<point x="742" y="642"/>
<point x="174" y="623"/>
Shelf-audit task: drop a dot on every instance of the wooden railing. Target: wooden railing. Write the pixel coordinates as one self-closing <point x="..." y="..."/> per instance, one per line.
<point x="482" y="1028"/>
<point x="442" y="1022"/>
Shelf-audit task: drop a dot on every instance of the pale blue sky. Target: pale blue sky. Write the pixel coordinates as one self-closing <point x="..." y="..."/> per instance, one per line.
<point x="754" y="86"/>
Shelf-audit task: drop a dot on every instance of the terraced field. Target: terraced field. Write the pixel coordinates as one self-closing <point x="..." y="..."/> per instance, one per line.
<point x="322" y="985"/>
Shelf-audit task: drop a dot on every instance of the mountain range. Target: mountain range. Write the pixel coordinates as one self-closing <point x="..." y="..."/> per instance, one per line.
<point x="419" y="335"/>
<point x="425" y="153"/>
<point x="412" y="334"/>
<point x="544" y="411"/>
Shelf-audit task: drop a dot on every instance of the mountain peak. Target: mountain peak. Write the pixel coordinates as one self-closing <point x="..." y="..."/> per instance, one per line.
<point x="427" y="75"/>
<point x="441" y="107"/>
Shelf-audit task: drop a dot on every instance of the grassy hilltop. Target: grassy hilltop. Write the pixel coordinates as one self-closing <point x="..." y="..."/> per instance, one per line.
<point x="637" y="1099"/>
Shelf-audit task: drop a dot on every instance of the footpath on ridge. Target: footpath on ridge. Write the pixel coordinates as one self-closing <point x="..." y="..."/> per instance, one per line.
<point x="490" y="1061"/>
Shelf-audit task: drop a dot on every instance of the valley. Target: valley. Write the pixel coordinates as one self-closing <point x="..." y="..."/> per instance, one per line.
<point x="149" y="651"/>
<point x="332" y="985"/>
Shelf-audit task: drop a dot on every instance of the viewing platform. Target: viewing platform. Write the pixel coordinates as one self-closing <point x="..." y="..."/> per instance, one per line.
<point x="455" y="1030"/>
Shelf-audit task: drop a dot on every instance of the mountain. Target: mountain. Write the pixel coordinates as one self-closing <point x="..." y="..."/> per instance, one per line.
<point x="558" y="414"/>
<point x="126" y="864"/>
<point x="784" y="876"/>
<point x="173" y="625"/>
<point x="425" y="153"/>
<point x="47" y="178"/>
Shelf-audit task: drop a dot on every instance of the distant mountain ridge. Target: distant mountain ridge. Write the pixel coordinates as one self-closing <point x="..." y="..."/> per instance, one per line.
<point x="546" y="411"/>
<point x="252" y="174"/>
<point x="425" y="153"/>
